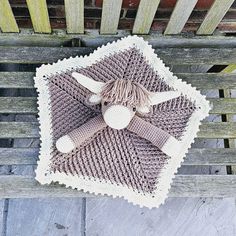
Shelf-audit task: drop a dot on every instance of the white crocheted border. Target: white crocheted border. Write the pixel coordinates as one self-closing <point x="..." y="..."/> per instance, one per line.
<point x="101" y="187"/>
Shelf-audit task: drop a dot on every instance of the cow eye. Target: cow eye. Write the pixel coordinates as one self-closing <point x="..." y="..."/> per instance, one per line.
<point x="105" y="103"/>
<point x="134" y="109"/>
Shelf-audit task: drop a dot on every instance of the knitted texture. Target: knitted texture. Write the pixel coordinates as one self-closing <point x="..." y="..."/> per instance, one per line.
<point x="117" y="156"/>
<point x="87" y="130"/>
<point x="146" y="130"/>
<point x="112" y="157"/>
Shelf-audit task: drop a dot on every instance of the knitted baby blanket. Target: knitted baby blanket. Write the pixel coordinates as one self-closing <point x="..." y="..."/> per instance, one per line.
<point x="116" y="122"/>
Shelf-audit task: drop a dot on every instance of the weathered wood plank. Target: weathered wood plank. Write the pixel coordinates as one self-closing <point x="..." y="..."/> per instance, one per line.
<point x="19" y="156"/>
<point x="12" y="186"/>
<point x="39" y="15"/>
<point x="30" y="130"/>
<point x="74" y="10"/>
<point x="19" y="130"/>
<point x="39" y="54"/>
<point x="7" y="19"/>
<point x="214" y="16"/>
<point x="204" y="186"/>
<point x="210" y="156"/>
<point x="16" y="79"/>
<point x="25" y="105"/>
<point x="179" y="16"/>
<point x="223" y="105"/>
<point x="186" y="56"/>
<point x="195" y="156"/>
<point x="209" y="80"/>
<point x="229" y="69"/>
<point x="217" y="130"/>
<point x="92" y="38"/>
<point x="110" y="16"/>
<point x="144" y="17"/>
<point x="199" y="80"/>
<point x="18" y="105"/>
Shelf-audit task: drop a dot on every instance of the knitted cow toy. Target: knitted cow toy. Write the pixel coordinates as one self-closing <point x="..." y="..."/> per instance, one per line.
<point x="122" y="104"/>
<point x="116" y="122"/>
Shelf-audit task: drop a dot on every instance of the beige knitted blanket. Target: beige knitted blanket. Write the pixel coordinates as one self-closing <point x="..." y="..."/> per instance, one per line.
<point x="129" y="162"/>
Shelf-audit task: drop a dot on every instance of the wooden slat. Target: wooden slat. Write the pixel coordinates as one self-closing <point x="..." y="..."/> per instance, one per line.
<point x="39" y="16"/>
<point x="18" y="105"/>
<point x="210" y="156"/>
<point x="179" y="56"/>
<point x="183" y="186"/>
<point x="179" y="16"/>
<point x="19" y="130"/>
<point x="110" y="16"/>
<point x="195" y="156"/>
<point x="199" y="80"/>
<point x="19" y="156"/>
<point x="30" y="130"/>
<point x="144" y="17"/>
<point x="28" y="105"/>
<point x="204" y="186"/>
<point x="7" y="19"/>
<point x="229" y="69"/>
<point x="209" y="80"/>
<point x="223" y="105"/>
<point x="217" y="130"/>
<point x="92" y="38"/>
<point x="16" y="79"/>
<point x="74" y="10"/>
<point x="214" y="16"/>
<point x="39" y="54"/>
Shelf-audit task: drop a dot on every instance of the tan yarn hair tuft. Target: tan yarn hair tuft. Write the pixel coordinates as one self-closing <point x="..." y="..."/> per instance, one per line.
<point x="125" y="92"/>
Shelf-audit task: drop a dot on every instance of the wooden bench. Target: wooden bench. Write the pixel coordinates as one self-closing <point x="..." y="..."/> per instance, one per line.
<point x="24" y="51"/>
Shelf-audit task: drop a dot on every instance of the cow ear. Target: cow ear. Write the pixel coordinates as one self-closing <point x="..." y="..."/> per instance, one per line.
<point x="95" y="99"/>
<point x="92" y="85"/>
<point x="159" y="97"/>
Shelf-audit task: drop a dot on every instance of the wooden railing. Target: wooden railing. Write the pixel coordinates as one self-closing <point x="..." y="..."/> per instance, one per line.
<point x="74" y="13"/>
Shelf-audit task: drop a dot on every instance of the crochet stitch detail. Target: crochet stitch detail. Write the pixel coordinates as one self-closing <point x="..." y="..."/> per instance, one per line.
<point x="114" y="156"/>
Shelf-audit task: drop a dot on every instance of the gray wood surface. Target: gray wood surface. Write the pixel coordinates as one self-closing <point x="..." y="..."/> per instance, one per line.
<point x="15" y="186"/>
<point x="214" y="16"/>
<point x="28" y="105"/>
<point x="179" y="16"/>
<point x="198" y="80"/>
<point x="93" y="38"/>
<point x="209" y="80"/>
<point x="30" y="130"/>
<point x="110" y="16"/>
<point x="195" y="156"/>
<point x="187" y="56"/>
<point x="16" y="79"/>
<point x="74" y="10"/>
<point x="145" y="16"/>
